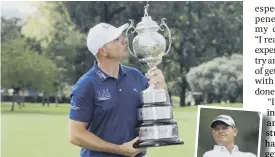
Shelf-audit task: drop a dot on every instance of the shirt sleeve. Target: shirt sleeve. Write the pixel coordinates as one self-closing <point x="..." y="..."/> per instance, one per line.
<point x="82" y="104"/>
<point x="144" y="81"/>
<point x="206" y="154"/>
<point x="251" y="155"/>
<point x="138" y="75"/>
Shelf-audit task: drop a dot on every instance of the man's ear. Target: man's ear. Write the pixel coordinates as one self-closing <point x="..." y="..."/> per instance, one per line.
<point x="101" y="52"/>
<point x="213" y="132"/>
<point x="235" y="131"/>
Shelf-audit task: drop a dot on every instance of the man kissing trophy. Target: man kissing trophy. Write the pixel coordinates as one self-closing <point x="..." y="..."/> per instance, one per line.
<point x="156" y="124"/>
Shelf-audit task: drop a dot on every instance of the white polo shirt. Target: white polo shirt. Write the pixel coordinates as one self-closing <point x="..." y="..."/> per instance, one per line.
<point x="221" y="151"/>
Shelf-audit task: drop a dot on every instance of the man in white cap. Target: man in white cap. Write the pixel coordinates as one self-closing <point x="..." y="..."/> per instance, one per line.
<point x="224" y="133"/>
<point x="104" y="101"/>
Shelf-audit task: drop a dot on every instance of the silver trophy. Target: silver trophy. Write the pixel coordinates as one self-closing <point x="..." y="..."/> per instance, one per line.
<point x="156" y="125"/>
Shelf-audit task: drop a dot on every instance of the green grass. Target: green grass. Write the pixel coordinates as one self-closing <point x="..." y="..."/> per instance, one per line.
<point x="41" y="131"/>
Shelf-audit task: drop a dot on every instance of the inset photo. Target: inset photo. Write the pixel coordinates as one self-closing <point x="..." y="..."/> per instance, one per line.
<point x="225" y="132"/>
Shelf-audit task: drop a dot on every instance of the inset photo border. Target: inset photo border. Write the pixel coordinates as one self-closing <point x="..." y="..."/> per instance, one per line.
<point x="244" y="129"/>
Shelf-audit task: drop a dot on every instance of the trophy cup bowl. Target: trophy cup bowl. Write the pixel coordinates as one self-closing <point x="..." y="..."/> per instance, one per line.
<point x="156" y="126"/>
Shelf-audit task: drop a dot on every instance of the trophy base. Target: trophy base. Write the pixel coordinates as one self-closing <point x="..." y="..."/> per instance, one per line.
<point x="158" y="142"/>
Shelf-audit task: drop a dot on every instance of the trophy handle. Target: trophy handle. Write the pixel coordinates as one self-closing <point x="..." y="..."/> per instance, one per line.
<point x="169" y="34"/>
<point x="131" y="26"/>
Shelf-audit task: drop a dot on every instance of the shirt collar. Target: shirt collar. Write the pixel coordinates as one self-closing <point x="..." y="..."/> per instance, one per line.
<point x="224" y="149"/>
<point x="103" y="76"/>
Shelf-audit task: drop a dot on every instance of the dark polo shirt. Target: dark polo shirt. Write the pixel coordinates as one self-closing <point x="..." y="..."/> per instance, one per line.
<point x="108" y="105"/>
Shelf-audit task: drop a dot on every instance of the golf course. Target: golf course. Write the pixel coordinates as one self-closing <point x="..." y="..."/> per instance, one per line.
<point x="192" y="49"/>
<point x="41" y="131"/>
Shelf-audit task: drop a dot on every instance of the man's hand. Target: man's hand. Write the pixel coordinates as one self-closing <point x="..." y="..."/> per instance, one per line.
<point x="156" y="77"/>
<point x="127" y="148"/>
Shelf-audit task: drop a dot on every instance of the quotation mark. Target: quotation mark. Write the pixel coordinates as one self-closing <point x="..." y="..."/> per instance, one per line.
<point x="272" y="100"/>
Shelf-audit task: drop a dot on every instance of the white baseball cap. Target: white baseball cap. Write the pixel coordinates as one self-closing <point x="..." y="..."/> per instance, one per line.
<point x="224" y="119"/>
<point x="101" y="34"/>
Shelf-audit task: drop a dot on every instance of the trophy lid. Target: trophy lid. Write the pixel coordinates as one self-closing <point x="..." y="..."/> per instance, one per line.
<point x="147" y="23"/>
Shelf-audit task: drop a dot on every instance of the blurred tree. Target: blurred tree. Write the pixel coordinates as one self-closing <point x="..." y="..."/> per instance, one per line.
<point x="220" y="79"/>
<point x="200" y="32"/>
<point x="60" y="42"/>
<point x="21" y="66"/>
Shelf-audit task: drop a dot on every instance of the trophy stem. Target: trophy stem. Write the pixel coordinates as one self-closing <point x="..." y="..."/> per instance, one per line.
<point x="151" y="87"/>
<point x="151" y="61"/>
